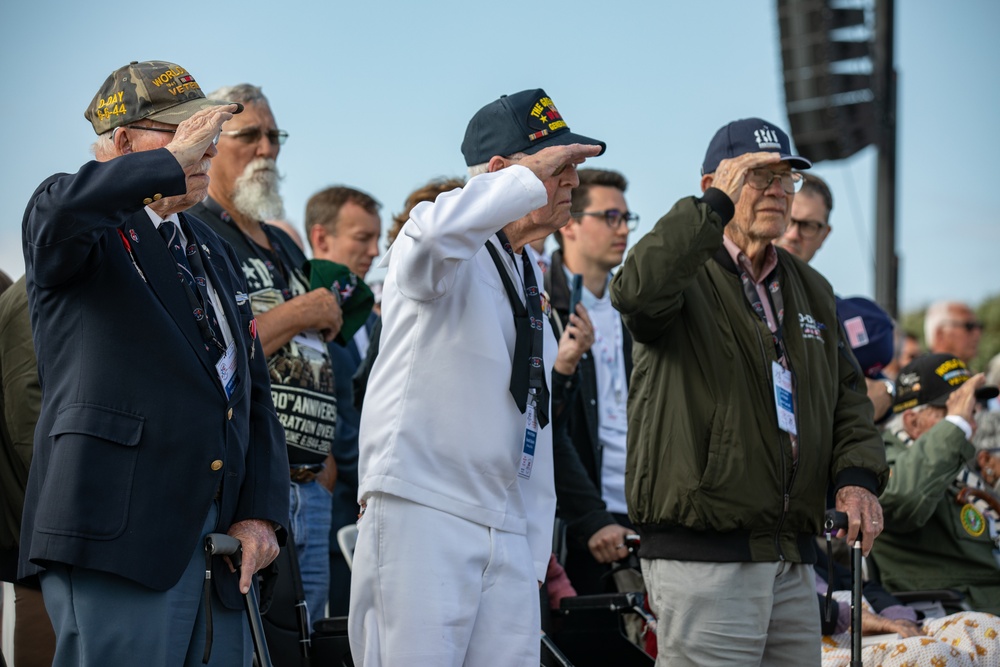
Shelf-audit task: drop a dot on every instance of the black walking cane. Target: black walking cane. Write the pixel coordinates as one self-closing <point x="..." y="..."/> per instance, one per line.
<point x="835" y="520"/>
<point x="218" y="544"/>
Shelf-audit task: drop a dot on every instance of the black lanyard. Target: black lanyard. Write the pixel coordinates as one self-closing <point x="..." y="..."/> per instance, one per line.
<point x="773" y="286"/>
<point x="528" y="368"/>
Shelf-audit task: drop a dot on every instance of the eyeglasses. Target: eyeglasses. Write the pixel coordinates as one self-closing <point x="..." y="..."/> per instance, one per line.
<point x="613" y="217"/>
<point x="151" y="129"/>
<point x="808" y="229"/>
<point x="160" y="129"/>
<point x="760" y="179"/>
<point x="251" y="135"/>
<point x="968" y="326"/>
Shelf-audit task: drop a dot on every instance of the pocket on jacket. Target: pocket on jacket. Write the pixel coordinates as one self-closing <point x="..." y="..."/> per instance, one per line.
<point x="726" y="462"/>
<point x="88" y="482"/>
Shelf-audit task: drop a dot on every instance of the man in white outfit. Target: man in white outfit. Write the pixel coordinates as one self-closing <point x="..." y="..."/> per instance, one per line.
<point x="455" y="445"/>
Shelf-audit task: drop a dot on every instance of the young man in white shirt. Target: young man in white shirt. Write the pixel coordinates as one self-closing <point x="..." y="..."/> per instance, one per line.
<point x="593" y="505"/>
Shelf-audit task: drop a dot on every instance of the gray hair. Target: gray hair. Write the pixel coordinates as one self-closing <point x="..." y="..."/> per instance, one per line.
<point x="993" y="371"/>
<point x="477" y="169"/>
<point x="482" y="168"/>
<point x="894" y="423"/>
<point x="987" y="435"/>
<point x="104" y="147"/>
<point x="244" y="93"/>
<point x="935" y="317"/>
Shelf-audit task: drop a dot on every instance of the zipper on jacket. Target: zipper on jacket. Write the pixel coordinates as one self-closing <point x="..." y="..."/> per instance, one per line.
<point x="797" y="447"/>
<point x="781" y="454"/>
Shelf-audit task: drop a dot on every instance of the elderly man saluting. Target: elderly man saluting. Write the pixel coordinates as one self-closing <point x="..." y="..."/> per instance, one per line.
<point x="745" y="405"/>
<point x="156" y="423"/>
<point x="455" y="459"/>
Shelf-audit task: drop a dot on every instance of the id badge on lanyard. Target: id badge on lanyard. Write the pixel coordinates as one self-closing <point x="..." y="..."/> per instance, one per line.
<point x="530" y="436"/>
<point x="226" y="368"/>
<point x="783" y="400"/>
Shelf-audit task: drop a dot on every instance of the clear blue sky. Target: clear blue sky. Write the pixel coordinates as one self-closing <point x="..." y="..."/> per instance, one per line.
<point x="377" y="95"/>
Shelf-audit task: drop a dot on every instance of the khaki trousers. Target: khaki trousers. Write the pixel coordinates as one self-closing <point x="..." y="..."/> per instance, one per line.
<point x="734" y="613"/>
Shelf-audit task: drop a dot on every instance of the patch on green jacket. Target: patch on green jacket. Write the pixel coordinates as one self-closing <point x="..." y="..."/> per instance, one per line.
<point x="972" y="521"/>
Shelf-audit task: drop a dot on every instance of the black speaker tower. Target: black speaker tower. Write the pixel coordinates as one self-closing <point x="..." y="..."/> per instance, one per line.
<point x="840" y="95"/>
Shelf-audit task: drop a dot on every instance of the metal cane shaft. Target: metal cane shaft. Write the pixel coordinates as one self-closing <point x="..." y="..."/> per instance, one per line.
<point x="856" y="603"/>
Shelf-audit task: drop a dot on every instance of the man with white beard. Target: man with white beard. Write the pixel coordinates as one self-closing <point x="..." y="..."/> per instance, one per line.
<point x="293" y="322"/>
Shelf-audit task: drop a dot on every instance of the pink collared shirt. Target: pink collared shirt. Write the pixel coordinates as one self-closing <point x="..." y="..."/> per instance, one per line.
<point x="770" y="263"/>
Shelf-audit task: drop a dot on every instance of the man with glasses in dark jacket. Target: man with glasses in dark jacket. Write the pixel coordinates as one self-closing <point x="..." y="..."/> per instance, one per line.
<point x="745" y="405"/>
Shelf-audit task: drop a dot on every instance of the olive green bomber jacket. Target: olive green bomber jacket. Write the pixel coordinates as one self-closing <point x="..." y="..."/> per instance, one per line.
<point x="931" y="541"/>
<point x="709" y="475"/>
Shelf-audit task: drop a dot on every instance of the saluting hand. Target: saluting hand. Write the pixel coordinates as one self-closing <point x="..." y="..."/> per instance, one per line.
<point x="552" y="160"/>
<point x="194" y="136"/>
<point x="962" y="401"/>
<point x="731" y="173"/>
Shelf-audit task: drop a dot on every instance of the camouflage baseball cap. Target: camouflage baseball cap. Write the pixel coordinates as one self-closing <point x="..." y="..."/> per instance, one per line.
<point x="154" y="89"/>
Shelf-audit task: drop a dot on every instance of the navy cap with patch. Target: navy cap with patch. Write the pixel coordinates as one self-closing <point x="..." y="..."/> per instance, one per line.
<point x="525" y="122"/>
<point x="750" y="135"/>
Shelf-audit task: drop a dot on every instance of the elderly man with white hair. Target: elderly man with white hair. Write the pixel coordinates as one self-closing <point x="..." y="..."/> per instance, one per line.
<point x="951" y="327"/>
<point x="942" y="524"/>
<point x="293" y="322"/>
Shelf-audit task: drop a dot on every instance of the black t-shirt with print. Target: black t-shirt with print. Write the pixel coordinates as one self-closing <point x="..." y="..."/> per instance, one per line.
<point x="302" y="385"/>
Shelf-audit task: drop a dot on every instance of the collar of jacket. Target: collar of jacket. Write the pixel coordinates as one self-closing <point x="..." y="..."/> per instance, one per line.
<point x="724" y="260"/>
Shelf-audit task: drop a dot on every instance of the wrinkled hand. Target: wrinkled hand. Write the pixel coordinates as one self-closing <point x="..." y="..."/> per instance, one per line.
<point x="577" y="338"/>
<point x="962" y="401"/>
<point x="196" y="134"/>
<point x="863" y="513"/>
<point x="550" y="161"/>
<point x="873" y="624"/>
<point x="320" y="310"/>
<point x="327" y="477"/>
<point x="260" y="547"/>
<point x="731" y="172"/>
<point x="608" y="544"/>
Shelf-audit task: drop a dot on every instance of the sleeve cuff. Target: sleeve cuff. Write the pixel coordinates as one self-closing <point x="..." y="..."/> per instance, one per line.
<point x="720" y="203"/>
<point x="960" y="422"/>
<point x="862" y="477"/>
<point x="565" y="381"/>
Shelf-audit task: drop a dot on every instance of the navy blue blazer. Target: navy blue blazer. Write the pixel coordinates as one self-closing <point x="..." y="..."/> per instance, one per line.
<point x="136" y="435"/>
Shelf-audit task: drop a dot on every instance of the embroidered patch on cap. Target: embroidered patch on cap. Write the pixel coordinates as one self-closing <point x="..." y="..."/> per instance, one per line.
<point x="767" y="139"/>
<point x="953" y="371"/>
<point x="544" y="118"/>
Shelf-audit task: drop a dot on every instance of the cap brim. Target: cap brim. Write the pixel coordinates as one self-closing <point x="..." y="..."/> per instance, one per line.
<point x="564" y="139"/>
<point x="179" y="113"/>
<point x="940" y="401"/>
<point x="986" y="393"/>
<point x="796" y="161"/>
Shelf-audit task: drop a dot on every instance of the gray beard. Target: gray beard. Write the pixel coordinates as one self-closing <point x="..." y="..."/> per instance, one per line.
<point x="255" y="193"/>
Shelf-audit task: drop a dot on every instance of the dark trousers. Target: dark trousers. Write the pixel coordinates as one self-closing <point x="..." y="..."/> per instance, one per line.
<point x="103" y="619"/>
<point x="34" y="640"/>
